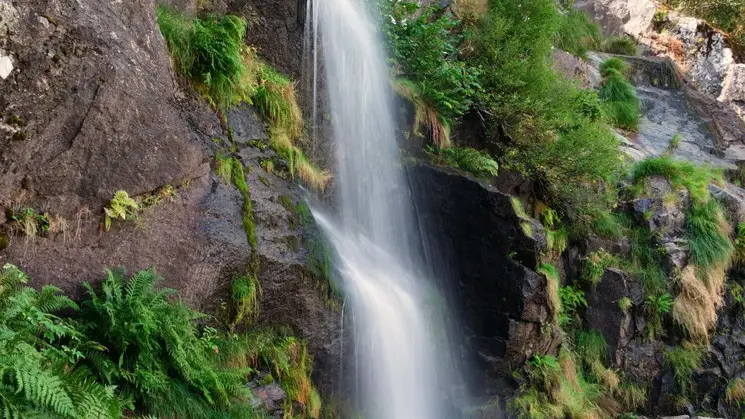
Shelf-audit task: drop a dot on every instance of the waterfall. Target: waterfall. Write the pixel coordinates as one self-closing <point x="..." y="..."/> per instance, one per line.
<point x="374" y="233"/>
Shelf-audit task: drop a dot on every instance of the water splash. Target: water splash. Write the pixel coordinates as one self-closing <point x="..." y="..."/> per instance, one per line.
<point x="397" y="372"/>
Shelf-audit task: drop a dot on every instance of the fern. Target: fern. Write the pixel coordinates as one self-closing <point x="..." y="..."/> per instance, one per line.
<point x="121" y="207"/>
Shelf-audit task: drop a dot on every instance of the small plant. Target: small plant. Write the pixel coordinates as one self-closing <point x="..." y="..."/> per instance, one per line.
<point x="619" y="97"/>
<point x="660" y="19"/>
<point x="735" y="392"/>
<point x="246" y="294"/>
<point x="655" y="307"/>
<point x="674" y="144"/>
<point x="32" y="223"/>
<point x="595" y="264"/>
<point x="625" y="304"/>
<point x="121" y="207"/>
<point x="684" y="363"/>
<point x="612" y="66"/>
<point x="572" y="300"/>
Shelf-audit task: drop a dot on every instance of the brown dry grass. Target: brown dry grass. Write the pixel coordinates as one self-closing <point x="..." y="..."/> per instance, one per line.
<point x="735" y="393"/>
<point x="470" y="11"/>
<point x="695" y="308"/>
<point x="426" y="117"/>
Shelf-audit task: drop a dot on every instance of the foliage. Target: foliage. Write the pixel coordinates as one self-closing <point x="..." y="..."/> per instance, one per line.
<point x="708" y="235"/>
<point x="619" y="97"/>
<point x="121" y="207"/>
<point x="572" y="300"/>
<point x="681" y="174"/>
<point x="622" y="45"/>
<point x="613" y="65"/>
<point x="31" y="223"/>
<point x="740" y="243"/>
<point x="592" y="347"/>
<point x="426" y="117"/>
<point x="595" y="264"/>
<point x="655" y="307"/>
<point x="684" y="363"/>
<point x="246" y="294"/>
<point x="554" y="388"/>
<point x="608" y="225"/>
<point x="423" y="45"/>
<point x="734" y="394"/>
<point x="476" y="162"/>
<point x="625" y="304"/>
<point x="578" y="34"/>
<point x="674" y="143"/>
<point x="207" y="51"/>
<point x="156" y="355"/>
<point x="41" y="354"/>
<point x="552" y="288"/>
<point x="275" y="99"/>
<point x="285" y="357"/>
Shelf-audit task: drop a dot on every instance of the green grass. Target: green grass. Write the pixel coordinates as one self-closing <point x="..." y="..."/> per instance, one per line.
<point x="708" y="239"/>
<point x="684" y="363"/>
<point x="622" y="45"/>
<point x="681" y="174"/>
<point x="613" y="65"/>
<point x="647" y="262"/>
<point x="207" y="51"/>
<point x="609" y="225"/>
<point x="578" y="34"/>
<point x="619" y="96"/>
<point x="595" y="264"/>
<point x="591" y="346"/>
<point x="476" y="162"/>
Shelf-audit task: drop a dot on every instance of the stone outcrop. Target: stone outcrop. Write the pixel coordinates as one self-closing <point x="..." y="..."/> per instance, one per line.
<point x="92" y="106"/>
<point x="500" y="299"/>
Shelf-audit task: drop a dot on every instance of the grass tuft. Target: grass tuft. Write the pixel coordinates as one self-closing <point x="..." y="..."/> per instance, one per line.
<point x="735" y="392"/>
<point x="426" y="116"/>
<point x="622" y="45"/>
<point x="578" y="34"/>
<point x="619" y="98"/>
<point x="552" y="288"/>
<point x="684" y="363"/>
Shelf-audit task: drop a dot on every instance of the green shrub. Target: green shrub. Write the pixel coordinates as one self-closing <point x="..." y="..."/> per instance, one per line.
<point x="578" y="34"/>
<point x="476" y="162"/>
<point x="41" y="356"/>
<point x="207" y="51"/>
<point x="622" y="45"/>
<point x="156" y="355"/>
<point x="655" y="307"/>
<point x="424" y="44"/>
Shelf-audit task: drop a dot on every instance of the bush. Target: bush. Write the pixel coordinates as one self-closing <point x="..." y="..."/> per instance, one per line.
<point x="423" y="45"/>
<point x="578" y="34"/>
<point x="613" y="65"/>
<point x="622" y="45"/>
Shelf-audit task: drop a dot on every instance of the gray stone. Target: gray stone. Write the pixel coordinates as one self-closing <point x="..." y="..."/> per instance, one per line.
<point x="603" y="312"/>
<point x="733" y="87"/>
<point x="272" y="396"/>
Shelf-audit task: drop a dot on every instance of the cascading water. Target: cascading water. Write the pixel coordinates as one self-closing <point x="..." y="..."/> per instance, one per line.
<point x="397" y="371"/>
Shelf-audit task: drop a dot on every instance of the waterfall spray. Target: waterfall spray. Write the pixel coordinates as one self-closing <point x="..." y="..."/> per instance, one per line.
<point x="396" y="368"/>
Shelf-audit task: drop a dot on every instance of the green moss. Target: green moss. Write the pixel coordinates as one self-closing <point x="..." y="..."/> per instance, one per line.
<point x="239" y="180"/>
<point x="246" y="294"/>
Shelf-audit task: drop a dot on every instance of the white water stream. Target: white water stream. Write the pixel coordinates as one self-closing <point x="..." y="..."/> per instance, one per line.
<point x="396" y="368"/>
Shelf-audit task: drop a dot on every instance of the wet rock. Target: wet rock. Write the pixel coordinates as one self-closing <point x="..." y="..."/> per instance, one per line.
<point x="641" y="361"/>
<point x="604" y="313"/>
<point x="501" y="300"/>
<point x="272" y="395"/>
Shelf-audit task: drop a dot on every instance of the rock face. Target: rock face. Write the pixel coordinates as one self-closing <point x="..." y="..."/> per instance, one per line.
<point x="503" y="302"/>
<point x="92" y="106"/>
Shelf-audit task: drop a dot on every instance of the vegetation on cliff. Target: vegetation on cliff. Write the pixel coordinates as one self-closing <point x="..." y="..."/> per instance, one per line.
<point x="130" y="348"/>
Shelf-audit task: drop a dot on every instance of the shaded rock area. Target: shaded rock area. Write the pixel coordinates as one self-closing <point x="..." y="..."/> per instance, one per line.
<point x="93" y="93"/>
<point x="501" y="300"/>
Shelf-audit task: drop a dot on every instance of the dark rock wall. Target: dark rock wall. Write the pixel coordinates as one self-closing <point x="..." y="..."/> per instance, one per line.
<point x="500" y="301"/>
